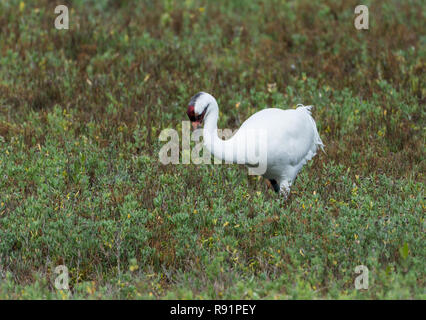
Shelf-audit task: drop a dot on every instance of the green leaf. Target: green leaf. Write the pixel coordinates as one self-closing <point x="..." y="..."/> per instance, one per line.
<point x="403" y="251"/>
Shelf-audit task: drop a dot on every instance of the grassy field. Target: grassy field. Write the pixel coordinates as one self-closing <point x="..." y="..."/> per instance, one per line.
<point x="81" y="183"/>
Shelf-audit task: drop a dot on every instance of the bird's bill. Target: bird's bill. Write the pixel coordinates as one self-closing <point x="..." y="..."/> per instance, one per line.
<point x="196" y="125"/>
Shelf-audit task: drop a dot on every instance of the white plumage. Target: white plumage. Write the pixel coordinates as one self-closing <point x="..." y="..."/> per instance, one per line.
<point x="292" y="139"/>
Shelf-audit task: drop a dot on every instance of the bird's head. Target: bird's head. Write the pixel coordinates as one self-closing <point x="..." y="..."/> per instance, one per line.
<point x="197" y="108"/>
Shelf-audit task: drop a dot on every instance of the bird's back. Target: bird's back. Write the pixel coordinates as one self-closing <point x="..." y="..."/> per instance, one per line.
<point x="291" y="136"/>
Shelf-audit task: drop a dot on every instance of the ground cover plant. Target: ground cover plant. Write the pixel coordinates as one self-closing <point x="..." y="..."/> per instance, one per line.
<point x="81" y="184"/>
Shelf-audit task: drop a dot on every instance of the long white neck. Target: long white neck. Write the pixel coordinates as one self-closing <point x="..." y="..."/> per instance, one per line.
<point x="221" y="149"/>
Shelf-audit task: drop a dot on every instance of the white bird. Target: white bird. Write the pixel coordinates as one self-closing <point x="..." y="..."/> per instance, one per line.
<point x="282" y="140"/>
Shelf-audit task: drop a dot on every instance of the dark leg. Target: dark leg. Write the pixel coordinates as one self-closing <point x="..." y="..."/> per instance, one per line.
<point x="275" y="185"/>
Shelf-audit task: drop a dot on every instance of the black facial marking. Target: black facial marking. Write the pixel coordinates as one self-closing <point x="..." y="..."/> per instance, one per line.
<point x="199" y="117"/>
<point x="191" y="112"/>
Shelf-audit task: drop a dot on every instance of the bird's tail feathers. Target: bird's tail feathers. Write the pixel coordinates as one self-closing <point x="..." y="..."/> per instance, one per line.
<point x="317" y="138"/>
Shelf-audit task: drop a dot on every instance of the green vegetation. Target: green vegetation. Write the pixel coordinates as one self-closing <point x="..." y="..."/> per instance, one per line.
<point x="81" y="184"/>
